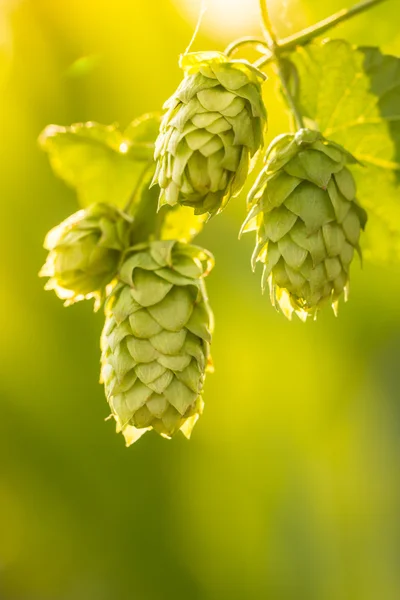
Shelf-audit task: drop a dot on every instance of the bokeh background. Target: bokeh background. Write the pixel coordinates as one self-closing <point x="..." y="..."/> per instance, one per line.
<point x="289" y="488"/>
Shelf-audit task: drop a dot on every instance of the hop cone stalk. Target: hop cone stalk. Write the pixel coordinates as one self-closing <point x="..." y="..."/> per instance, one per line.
<point x="213" y="125"/>
<point x="307" y="221"/>
<point x="156" y="339"/>
<point x="84" y="253"/>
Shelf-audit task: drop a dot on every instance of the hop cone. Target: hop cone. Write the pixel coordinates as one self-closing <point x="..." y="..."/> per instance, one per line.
<point x="155" y="342"/>
<point x="213" y="125"/>
<point x="85" y="251"/>
<point x="307" y="220"/>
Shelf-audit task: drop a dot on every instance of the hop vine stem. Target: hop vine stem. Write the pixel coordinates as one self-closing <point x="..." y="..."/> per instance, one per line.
<point x="277" y="48"/>
<point x="274" y="48"/>
<point x="246" y="41"/>
<point x="138" y="186"/>
<point x="267" y="27"/>
<point x="307" y="35"/>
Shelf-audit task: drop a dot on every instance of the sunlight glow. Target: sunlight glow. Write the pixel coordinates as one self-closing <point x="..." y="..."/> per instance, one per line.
<point x="227" y="18"/>
<point x="124" y="147"/>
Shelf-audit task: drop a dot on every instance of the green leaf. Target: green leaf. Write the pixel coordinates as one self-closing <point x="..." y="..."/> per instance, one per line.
<point x="101" y="162"/>
<point x="354" y="97"/>
<point x="105" y="164"/>
<point x="142" y="134"/>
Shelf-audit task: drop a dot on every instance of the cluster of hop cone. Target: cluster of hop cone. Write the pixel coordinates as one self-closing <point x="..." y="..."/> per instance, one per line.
<point x="158" y="322"/>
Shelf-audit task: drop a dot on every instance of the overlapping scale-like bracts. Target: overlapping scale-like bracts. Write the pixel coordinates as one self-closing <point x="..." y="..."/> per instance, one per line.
<point x="303" y="208"/>
<point x="84" y="252"/>
<point x="156" y="339"/>
<point x="214" y="124"/>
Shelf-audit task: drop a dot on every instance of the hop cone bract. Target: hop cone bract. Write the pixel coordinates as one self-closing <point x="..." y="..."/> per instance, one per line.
<point x="307" y="220"/>
<point x="155" y="342"/>
<point x="85" y="251"/>
<point x="213" y="125"/>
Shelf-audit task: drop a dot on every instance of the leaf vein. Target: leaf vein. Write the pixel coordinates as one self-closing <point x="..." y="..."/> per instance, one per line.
<point x="360" y="123"/>
<point x="346" y="93"/>
<point x="388" y="165"/>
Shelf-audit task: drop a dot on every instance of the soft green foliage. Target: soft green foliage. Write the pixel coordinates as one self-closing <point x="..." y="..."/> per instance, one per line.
<point x="84" y="253"/>
<point x="103" y="163"/>
<point x="353" y="97"/>
<point x="213" y="126"/>
<point x="155" y="342"/>
<point x="304" y="211"/>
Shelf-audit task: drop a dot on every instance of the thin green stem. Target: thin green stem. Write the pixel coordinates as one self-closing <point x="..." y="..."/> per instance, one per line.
<point x="307" y="35"/>
<point x="244" y="41"/>
<point x="318" y="29"/>
<point x="265" y="60"/>
<point x="275" y="50"/>
<point x="203" y="10"/>
<point x="291" y="102"/>
<point x="267" y="27"/>
<point x="138" y="186"/>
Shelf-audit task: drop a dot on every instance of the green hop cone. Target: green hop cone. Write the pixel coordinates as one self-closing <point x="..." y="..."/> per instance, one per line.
<point x="156" y="339"/>
<point x="213" y="125"/>
<point x="84" y="253"/>
<point x="307" y="221"/>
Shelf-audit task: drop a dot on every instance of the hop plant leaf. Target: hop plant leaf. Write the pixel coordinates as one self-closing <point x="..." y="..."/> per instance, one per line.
<point x="84" y="253"/>
<point x="156" y="339"/>
<point x="103" y="163"/>
<point x="307" y="220"/>
<point x="354" y="96"/>
<point x="213" y="125"/>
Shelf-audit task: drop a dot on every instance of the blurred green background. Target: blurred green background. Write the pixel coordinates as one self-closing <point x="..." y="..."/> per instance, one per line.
<point x="289" y="488"/>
